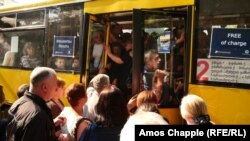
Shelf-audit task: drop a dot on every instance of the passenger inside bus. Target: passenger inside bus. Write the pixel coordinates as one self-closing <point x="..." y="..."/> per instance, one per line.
<point x="115" y="33"/>
<point x="76" y="63"/>
<point x="2" y="49"/>
<point x="113" y="69"/>
<point x="59" y="63"/>
<point x="9" y="56"/>
<point x="124" y="61"/>
<point x="97" y="49"/>
<point x="30" y="58"/>
<point x="152" y="61"/>
<point x="160" y="88"/>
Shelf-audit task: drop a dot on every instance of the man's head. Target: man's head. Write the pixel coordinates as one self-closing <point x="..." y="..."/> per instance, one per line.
<point x="43" y="82"/>
<point x="152" y="60"/>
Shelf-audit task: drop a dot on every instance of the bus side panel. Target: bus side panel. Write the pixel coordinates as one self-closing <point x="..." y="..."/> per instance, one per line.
<point x="103" y="6"/>
<point x="225" y="105"/>
<point x="11" y="79"/>
<point x="172" y="115"/>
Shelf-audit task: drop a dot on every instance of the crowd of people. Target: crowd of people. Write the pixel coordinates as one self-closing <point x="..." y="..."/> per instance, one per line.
<point x="100" y="112"/>
<point x="105" y="109"/>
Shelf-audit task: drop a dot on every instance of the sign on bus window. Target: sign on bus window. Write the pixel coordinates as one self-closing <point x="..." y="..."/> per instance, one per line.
<point x="230" y="43"/>
<point x="164" y="42"/>
<point x="64" y="46"/>
<point x="223" y="70"/>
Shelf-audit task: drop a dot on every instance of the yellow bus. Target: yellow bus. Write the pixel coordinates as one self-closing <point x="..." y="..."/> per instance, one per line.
<point x="211" y="61"/>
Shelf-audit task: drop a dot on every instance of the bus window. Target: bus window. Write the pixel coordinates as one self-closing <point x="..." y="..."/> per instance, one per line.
<point x="8" y="21"/>
<point x="32" y="55"/>
<point x="222" y="44"/>
<point x="33" y="18"/>
<point x="63" y="27"/>
<point x="23" y="48"/>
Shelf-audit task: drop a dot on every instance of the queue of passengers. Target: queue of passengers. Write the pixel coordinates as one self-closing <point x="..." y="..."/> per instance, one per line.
<point x="101" y="112"/>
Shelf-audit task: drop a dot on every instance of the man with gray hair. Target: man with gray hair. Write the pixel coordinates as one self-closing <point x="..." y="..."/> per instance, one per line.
<point x="152" y="61"/>
<point x="29" y="116"/>
<point x="96" y="85"/>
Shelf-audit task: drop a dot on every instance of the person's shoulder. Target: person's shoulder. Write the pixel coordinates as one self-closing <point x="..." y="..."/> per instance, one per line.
<point x="91" y="91"/>
<point x="82" y="126"/>
<point x="24" y="107"/>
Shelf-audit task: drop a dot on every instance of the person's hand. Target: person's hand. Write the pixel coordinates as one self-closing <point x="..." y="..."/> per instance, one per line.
<point x="108" y="50"/>
<point x="161" y="73"/>
<point x="63" y="137"/>
<point x="60" y="120"/>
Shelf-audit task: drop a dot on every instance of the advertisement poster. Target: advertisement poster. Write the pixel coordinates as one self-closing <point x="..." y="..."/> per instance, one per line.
<point x="230" y="43"/>
<point x="64" y="46"/>
<point x="223" y="70"/>
<point x="164" y="42"/>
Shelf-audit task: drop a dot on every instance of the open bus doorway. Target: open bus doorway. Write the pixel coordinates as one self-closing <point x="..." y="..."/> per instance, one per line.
<point x="163" y="30"/>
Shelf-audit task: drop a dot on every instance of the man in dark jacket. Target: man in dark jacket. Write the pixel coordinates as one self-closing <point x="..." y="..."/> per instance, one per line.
<point x="29" y="117"/>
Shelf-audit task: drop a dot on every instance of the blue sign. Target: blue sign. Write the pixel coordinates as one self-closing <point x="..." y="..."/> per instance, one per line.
<point x="164" y="42"/>
<point x="230" y="43"/>
<point x="64" y="46"/>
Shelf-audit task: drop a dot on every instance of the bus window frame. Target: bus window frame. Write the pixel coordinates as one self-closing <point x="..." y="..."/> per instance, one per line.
<point x="89" y="20"/>
<point x="195" y="57"/>
<point x="137" y="63"/>
<point x="44" y="26"/>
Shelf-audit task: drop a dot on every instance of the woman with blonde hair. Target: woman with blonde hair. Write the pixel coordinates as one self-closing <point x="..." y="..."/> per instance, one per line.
<point x="194" y="110"/>
<point x="146" y="96"/>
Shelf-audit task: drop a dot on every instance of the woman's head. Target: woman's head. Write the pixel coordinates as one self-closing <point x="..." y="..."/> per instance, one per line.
<point x="98" y="37"/>
<point x="28" y="49"/>
<point x="146" y="97"/>
<point x="60" y="88"/>
<point x="111" y="107"/>
<point x="192" y="106"/>
<point x="76" y="94"/>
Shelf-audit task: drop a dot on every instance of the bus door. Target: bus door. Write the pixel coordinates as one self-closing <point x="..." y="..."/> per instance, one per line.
<point x="163" y="32"/>
<point x="94" y="42"/>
